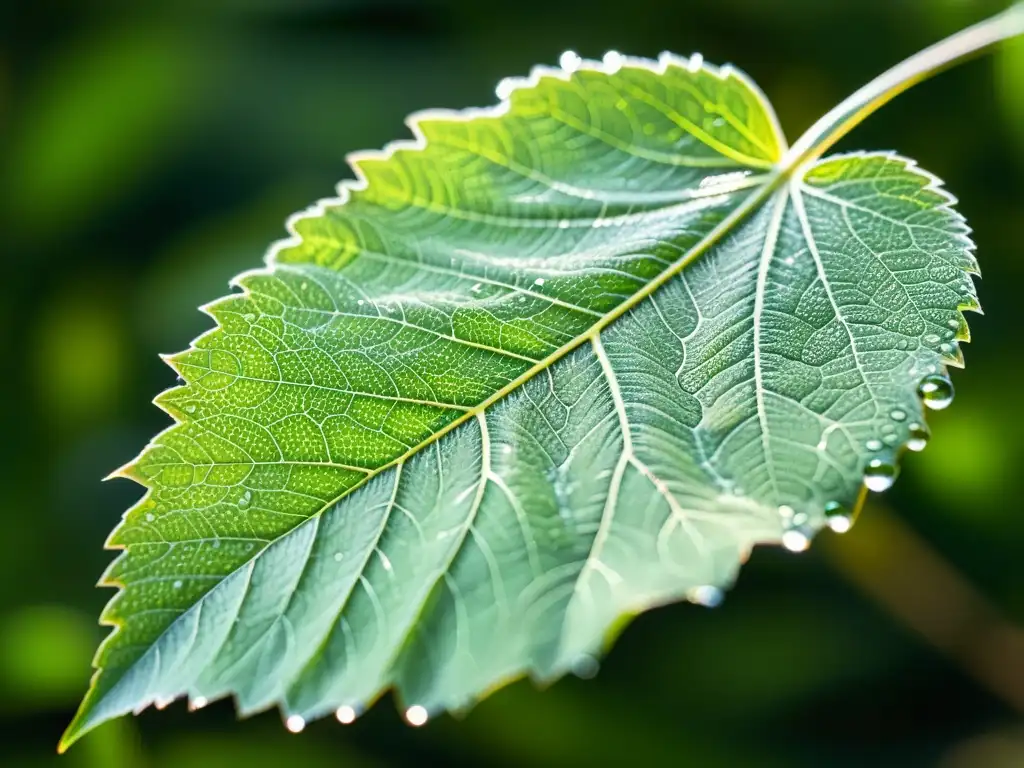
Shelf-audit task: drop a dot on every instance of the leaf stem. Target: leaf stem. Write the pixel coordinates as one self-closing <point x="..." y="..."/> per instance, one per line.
<point x="919" y="67"/>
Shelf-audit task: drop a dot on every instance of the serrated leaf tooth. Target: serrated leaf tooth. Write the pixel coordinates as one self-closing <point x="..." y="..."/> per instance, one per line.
<point x="109" y="616"/>
<point x="166" y="404"/>
<point x="126" y="471"/>
<point x="177" y="362"/>
<point x="207" y="309"/>
<point x="955" y="357"/>
<point x="971" y="304"/>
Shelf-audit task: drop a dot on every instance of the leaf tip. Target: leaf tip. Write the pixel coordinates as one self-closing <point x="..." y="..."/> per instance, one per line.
<point x="125" y="471"/>
<point x="77" y="728"/>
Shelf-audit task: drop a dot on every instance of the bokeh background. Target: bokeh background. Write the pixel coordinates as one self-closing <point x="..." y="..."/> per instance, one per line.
<point x="149" y="151"/>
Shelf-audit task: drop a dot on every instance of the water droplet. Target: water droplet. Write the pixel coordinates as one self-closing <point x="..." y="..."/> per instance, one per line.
<point x="476" y="288"/>
<point x="903" y="344"/>
<point x="346" y="715"/>
<point x="150" y="517"/>
<point x="613" y="62"/>
<point x="931" y="338"/>
<point x="190" y="409"/>
<point x="360" y="302"/>
<point x="891" y="439"/>
<point x="506" y="449"/>
<point x="539" y="281"/>
<point x="178" y="584"/>
<point x="198" y="703"/>
<point x="245" y="500"/>
<point x="898" y="414"/>
<point x="294" y="723"/>
<point x="706" y="595"/>
<point x="505" y="87"/>
<point x="879" y="475"/>
<point x="946" y="349"/>
<point x="936" y="391"/>
<point x="795" y="540"/>
<point x="570" y="61"/>
<point x="338" y="557"/>
<point x="953" y="323"/>
<point x="839" y="518"/>
<point x="385" y="561"/>
<point x="786" y="512"/>
<point x="249" y="317"/>
<point x="840" y="523"/>
<point x="563" y="224"/>
<point x="304" y="285"/>
<point x="585" y="666"/>
<point x="873" y="445"/>
<point x="416" y="715"/>
<point x="918" y="439"/>
<point x="216" y="544"/>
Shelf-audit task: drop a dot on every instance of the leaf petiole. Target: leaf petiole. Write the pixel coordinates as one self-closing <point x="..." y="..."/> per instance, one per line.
<point x="849" y="113"/>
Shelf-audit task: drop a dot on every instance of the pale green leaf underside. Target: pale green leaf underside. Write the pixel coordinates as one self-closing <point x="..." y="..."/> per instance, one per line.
<point x="477" y="410"/>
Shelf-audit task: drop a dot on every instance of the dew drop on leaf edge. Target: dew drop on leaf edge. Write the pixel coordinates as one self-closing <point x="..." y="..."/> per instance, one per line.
<point x="585" y="666"/>
<point x="839" y="518"/>
<point x="416" y="715"/>
<point x="706" y="595"/>
<point x="613" y="61"/>
<point x="796" y="540"/>
<point x="504" y="88"/>
<point x="936" y="391"/>
<point x="918" y="439"/>
<point x="879" y="475"/>
<point x="569" y="61"/>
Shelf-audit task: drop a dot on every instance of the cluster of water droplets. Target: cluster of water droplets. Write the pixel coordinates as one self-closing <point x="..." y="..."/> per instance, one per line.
<point x="797" y="529"/>
<point x="936" y="393"/>
<point x="881" y="471"/>
<point x="347" y="714"/>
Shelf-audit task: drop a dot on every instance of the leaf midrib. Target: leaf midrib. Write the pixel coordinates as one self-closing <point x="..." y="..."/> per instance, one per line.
<point x="748" y="206"/>
<point x="773" y="181"/>
<point x="727" y="225"/>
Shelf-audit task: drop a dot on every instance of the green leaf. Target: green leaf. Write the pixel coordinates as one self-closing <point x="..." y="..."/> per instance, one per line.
<point x="543" y="368"/>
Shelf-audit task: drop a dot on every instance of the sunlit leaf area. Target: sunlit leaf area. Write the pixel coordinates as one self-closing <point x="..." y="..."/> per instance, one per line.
<point x="148" y="156"/>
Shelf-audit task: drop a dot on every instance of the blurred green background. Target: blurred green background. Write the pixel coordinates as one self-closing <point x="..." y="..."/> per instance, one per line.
<point x="149" y="151"/>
